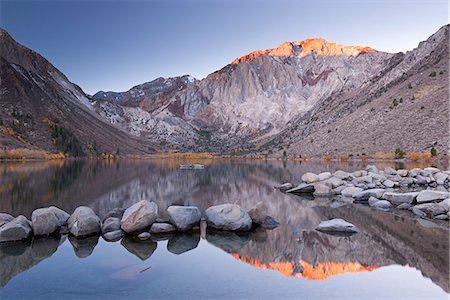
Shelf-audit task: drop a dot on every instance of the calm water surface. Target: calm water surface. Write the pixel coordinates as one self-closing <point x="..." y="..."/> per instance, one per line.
<point x="394" y="256"/>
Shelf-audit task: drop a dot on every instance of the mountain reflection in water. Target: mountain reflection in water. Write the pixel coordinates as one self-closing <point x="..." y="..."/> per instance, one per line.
<point x="293" y="249"/>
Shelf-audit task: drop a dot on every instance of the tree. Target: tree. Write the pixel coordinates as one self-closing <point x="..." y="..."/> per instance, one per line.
<point x="399" y="153"/>
<point x="433" y="152"/>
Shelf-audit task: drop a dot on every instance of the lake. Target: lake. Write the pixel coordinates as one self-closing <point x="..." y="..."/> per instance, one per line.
<point x="395" y="255"/>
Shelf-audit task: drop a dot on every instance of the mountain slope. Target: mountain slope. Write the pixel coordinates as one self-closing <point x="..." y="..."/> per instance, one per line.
<point x="42" y="109"/>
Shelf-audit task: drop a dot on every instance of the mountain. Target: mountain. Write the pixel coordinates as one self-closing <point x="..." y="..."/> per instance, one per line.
<point x="309" y="98"/>
<point x="42" y="109"/>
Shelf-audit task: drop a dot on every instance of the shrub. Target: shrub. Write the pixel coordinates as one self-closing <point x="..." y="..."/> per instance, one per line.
<point x="433" y="74"/>
<point x="284" y="153"/>
<point x="433" y="152"/>
<point x="395" y="102"/>
<point x="409" y="85"/>
<point x="399" y="153"/>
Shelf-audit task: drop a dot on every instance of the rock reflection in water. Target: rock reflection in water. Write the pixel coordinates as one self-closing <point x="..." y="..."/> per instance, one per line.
<point x="142" y="249"/>
<point x="83" y="247"/>
<point x="183" y="242"/>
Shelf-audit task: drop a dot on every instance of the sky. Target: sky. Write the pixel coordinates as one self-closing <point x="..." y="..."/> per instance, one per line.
<point x="113" y="45"/>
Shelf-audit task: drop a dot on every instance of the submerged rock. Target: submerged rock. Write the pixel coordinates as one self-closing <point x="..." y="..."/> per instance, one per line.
<point x="48" y="220"/>
<point x="337" y="225"/>
<point x="139" y="216"/>
<point x="228" y="217"/>
<point x="83" y="222"/>
<point x="184" y="217"/>
<point x="17" y="229"/>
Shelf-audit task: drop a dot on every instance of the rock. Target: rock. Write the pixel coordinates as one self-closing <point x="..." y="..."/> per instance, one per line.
<point x="230" y="242"/>
<point x="48" y="220"/>
<point x="158" y="228"/>
<point x="322" y="190"/>
<point x="402" y="173"/>
<point x="115" y="213"/>
<point x="228" y="217"/>
<point x="142" y="249"/>
<point x="259" y="216"/>
<point x="337" y="225"/>
<point x="414" y="172"/>
<point x="284" y="187"/>
<point x="335" y="182"/>
<point x="139" y="216"/>
<point x="365" y="195"/>
<point x="113" y="236"/>
<point x="360" y="173"/>
<point x="184" y="217"/>
<point x="445" y="204"/>
<point x="399" y="198"/>
<point x="441" y="217"/>
<point x="431" y="170"/>
<point x="302" y="188"/>
<point x="372" y="200"/>
<point x="406" y="206"/>
<point x="390" y="171"/>
<point x="406" y="181"/>
<point x="310" y="177"/>
<point x="383" y="204"/>
<point x="365" y="179"/>
<point x="111" y="224"/>
<point x="349" y="191"/>
<point x="324" y="176"/>
<point x="388" y="183"/>
<point x="83" y="247"/>
<point x="144" y="236"/>
<point x="83" y="222"/>
<point x="17" y="229"/>
<point x="64" y="229"/>
<point x="440" y="177"/>
<point x="182" y="243"/>
<point x="429" y="196"/>
<point x="5" y="218"/>
<point x="341" y="175"/>
<point x="372" y="168"/>
<point x="418" y="212"/>
<point x="422" y="180"/>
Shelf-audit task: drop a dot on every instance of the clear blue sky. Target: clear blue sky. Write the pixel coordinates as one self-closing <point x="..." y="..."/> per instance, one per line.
<point x="114" y="45"/>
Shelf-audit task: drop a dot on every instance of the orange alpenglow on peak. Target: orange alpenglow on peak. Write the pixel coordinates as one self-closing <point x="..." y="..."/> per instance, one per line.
<point x="322" y="271"/>
<point x="320" y="47"/>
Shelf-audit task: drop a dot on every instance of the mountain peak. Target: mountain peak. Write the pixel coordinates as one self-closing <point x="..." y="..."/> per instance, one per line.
<point x="319" y="46"/>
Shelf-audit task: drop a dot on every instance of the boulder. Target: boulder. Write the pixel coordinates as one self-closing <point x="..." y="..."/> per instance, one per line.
<point x="144" y="236"/>
<point x="322" y="190"/>
<point x="139" y="216"/>
<point x="402" y="173"/>
<point x="113" y="236"/>
<point x="5" y="218"/>
<point x="341" y="175"/>
<point x="310" y="177"/>
<point x="372" y="201"/>
<point x="390" y="171"/>
<point x="17" y="229"/>
<point x="441" y="217"/>
<point x="48" y="220"/>
<point x="111" y="224"/>
<point x="405" y="206"/>
<point x="399" y="198"/>
<point x="430" y="196"/>
<point x="184" y="217"/>
<point x="388" y="183"/>
<point x="418" y="212"/>
<point x="284" y="187"/>
<point x="422" y="180"/>
<point x="414" y="172"/>
<point x="406" y="181"/>
<point x="372" y="168"/>
<point x="431" y="170"/>
<point x="324" y="176"/>
<point x="228" y="217"/>
<point x="383" y="204"/>
<point x="365" y="195"/>
<point x="158" y="228"/>
<point x="259" y="216"/>
<point x="349" y="191"/>
<point x="440" y="177"/>
<point x="337" y="225"/>
<point x="115" y="213"/>
<point x="83" y="222"/>
<point x="334" y="182"/>
<point x="360" y="173"/>
<point x="302" y="188"/>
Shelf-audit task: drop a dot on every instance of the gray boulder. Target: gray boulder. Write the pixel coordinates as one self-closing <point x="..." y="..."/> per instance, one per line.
<point x="5" y="218"/>
<point x="335" y="182"/>
<point x="114" y="213"/>
<point x="322" y="190"/>
<point x="144" y="236"/>
<point x="430" y="196"/>
<point x="139" y="216"/>
<point x="372" y="168"/>
<point x="17" y="229"/>
<point x="159" y="228"/>
<point x="349" y="191"/>
<point x="113" y="236"/>
<point x="402" y="173"/>
<point x="184" y="217"/>
<point x="259" y="216"/>
<point x="399" y="198"/>
<point x="431" y="170"/>
<point x="310" y="177"/>
<point x="83" y="222"/>
<point x="414" y="172"/>
<point x="228" y="217"/>
<point x="341" y="175"/>
<point x="383" y="204"/>
<point x="111" y="224"/>
<point x="48" y="220"/>
<point x="337" y="225"/>
<point x="405" y="206"/>
<point x="388" y="183"/>
<point x="360" y="173"/>
<point x="302" y="188"/>
<point x="418" y="212"/>
<point x="284" y="187"/>
<point x="372" y="201"/>
<point x="390" y="171"/>
<point x="440" y="177"/>
<point x="324" y="176"/>
<point x="365" y="195"/>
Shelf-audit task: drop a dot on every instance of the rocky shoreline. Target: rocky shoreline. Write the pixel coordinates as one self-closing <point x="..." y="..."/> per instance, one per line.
<point x="424" y="192"/>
